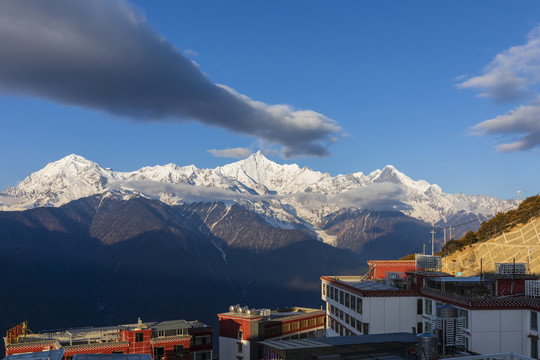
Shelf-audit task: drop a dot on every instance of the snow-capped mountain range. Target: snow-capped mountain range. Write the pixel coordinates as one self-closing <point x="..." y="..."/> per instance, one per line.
<point x="286" y="196"/>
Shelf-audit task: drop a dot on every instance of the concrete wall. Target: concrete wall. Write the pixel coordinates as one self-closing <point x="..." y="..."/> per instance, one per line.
<point x="228" y="349"/>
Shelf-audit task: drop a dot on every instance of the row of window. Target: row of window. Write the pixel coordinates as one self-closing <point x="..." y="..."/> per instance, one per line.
<point x="344" y="298"/>
<point x="159" y="352"/>
<point x="362" y="328"/>
<point x="169" y="332"/>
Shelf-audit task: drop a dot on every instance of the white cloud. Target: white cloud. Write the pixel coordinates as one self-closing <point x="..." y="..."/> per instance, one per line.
<point x="379" y="196"/>
<point x="523" y="123"/>
<point x="236" y="153"/>
<point x="511" y="76"/>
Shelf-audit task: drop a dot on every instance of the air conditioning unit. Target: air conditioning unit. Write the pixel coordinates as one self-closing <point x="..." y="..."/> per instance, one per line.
<point x="511" y="268"/>
<point x="428" y="262"/>
<point x="532" y="288"/>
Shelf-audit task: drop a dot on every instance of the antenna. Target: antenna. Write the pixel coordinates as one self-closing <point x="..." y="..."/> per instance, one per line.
<point x="519" y="196"/>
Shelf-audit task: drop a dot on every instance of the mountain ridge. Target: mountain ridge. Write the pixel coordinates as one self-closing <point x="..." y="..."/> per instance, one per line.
<point x="287" y="196"/>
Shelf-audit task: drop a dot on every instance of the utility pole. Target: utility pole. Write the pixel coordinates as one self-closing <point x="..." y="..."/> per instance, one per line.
<point x="432" y="242"/>
<point x="450" y="229"/>
<point x="444" y="231"/>
<point x="519" y="196"/>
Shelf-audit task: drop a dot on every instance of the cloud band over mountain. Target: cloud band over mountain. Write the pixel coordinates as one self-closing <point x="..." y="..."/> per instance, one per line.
<point x="103" y="55"/>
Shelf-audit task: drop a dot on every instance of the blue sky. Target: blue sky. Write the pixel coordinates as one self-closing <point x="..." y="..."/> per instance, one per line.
<point x="382" y="81"/>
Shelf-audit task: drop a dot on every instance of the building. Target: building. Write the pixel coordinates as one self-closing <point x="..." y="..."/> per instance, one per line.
<point x="358" y="307"/>
<point x="492" y="313"/>
<point x="241" y="329"/>
<point x="383" y="346"/>
<point x="384" y="269"/>
<point x="165" y="340"/>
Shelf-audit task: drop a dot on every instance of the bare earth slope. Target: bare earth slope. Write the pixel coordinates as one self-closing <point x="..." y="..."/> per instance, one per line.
<point x="522" y="244"/>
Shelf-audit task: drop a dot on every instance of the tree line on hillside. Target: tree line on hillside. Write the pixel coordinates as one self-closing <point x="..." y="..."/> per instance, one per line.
<point x="527" y="210"/>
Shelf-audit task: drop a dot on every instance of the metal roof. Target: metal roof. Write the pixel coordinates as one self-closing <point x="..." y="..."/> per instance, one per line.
<point x="294" y="344"/>
<point x="112" y="357"/>
<point x="41" y="355"/>
<point x="341" y="340"/>
<point x="169" y="324"/>
<point x="457" y="279"/>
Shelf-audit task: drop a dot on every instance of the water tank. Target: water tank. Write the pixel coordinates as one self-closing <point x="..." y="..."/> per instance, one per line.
<point x="427" y="348"/>
<point x="447" y="311"/>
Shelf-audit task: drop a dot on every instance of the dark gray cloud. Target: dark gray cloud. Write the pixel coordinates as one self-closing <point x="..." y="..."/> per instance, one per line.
<point x="103" y="55"/>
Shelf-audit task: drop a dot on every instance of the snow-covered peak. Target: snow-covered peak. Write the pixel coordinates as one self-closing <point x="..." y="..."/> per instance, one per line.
<point x="69" y="178"/>
<point x="283" y="186"/>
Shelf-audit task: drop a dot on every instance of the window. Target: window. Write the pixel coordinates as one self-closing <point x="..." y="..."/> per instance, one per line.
<point x="331" y="292"/>
<point x="118" y="352"/>
<point x="419" y="306"/>
<point x="346" y="299"/>
<point x="366" y="328"/>
<point x="159" y="353"/>
<point x="353" y="303"/>
<point x="341" y="301"/>
<point x="347" y="318"/>
<point x="178" y="351"/>
<point x="202" y="355"/>
<point x="239" y="347"/>
<point x="139" y="337"/>
<point x="240" y="334"/>
<point x="534" y="321"/>
<point x="359" y="305"/>
<point x="358" y="325"/>
<point x="534" y="348"/>
<point x="324" y="289"/>
<point x="341" y="314"/>
<point x="202" y="340"/>
<point x="419" y="325"/>
<point x="427" y="306"/>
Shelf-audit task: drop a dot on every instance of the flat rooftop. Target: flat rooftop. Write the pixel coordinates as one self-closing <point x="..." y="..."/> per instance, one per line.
<point x="272" y="314"/>
<point x="359" y="283"/>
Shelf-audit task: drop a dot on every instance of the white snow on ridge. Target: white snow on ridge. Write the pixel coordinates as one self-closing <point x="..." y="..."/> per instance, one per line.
<point x="284" y="195"/>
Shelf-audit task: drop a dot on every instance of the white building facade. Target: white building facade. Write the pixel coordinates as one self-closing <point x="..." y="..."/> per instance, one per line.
<point x="356" y="307"/>
<point x="497" y="325"/>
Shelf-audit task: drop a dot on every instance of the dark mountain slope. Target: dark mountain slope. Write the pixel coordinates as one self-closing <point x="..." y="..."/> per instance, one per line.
<point x="99" y="261"/>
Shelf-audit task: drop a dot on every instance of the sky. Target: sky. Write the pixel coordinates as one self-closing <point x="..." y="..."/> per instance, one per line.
<point x="445" y="91"/>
